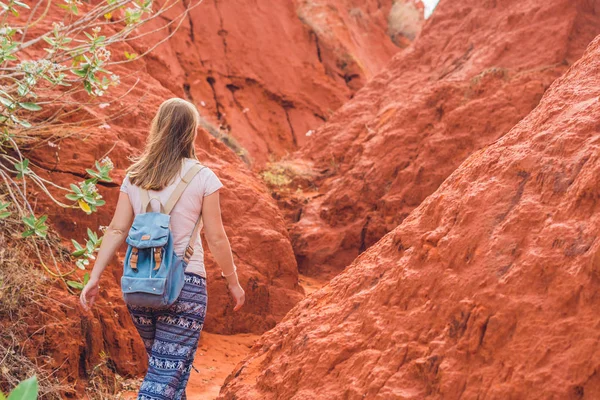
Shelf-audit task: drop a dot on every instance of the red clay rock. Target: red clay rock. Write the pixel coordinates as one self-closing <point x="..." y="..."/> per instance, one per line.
<point x="476" y="70"/>
<point x="489" y="289"/>
<point x="266" y="73"/>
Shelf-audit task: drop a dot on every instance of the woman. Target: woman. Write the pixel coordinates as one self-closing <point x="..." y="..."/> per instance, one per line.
<point x="171" y="335"/>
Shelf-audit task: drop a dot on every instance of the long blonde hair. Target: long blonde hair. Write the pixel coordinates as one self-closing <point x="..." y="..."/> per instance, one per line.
<point x="171" y="139"/>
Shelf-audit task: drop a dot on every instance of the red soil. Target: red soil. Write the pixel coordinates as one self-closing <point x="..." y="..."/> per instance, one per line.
<point x="487" y="290"/>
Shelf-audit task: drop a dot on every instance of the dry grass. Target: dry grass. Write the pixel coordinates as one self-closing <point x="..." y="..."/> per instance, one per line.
<point x="21" y="291"/>
<point x="105" y="384"/>
<point x="225" y="136"/>
<point x="287" y="175"/>
<point x="26" y="289"/>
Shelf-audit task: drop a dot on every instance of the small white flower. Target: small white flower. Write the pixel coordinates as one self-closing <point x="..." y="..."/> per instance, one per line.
<point x="91" y="187"/>
<point x="245" y="110"/>
<point x="104" y="126"/>
<point x="310" y="132"/>
<point x="52" y="144"/>
<point x="203" y="104"/>
<point x="107" y="162"/>
<point x="103" y="54"/>
<point x="103" y="105"/>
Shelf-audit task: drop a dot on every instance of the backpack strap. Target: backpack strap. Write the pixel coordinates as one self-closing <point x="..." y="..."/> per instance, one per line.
<point x="187" y="178"/>
<point x="146" y="200"/>
<point x="179" y="189"/>
<point x="189" y="250"/>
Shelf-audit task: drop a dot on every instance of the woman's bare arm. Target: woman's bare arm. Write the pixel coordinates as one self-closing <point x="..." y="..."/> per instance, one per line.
<point x="219" y="245"/>
<point x="113" y="239"/>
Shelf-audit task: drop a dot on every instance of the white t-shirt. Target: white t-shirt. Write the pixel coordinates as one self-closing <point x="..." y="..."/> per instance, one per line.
<point x="185" y="213"/>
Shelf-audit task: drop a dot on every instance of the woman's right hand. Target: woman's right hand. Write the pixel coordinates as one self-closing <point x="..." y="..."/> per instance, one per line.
<point x="89" y="294"/>
<point x="238" y="295"/>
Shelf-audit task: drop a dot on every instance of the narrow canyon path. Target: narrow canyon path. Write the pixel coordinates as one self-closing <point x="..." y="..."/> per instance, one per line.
<point x="217" y="355"/>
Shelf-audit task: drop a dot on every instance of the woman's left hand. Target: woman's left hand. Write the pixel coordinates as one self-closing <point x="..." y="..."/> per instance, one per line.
<point x="89" y="294"/>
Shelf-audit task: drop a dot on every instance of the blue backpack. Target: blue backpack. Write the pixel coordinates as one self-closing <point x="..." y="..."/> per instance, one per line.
<point x="154" y="275"/>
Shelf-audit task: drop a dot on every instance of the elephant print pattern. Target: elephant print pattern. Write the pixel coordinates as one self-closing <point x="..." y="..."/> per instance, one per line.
<point x="171" y="337"/>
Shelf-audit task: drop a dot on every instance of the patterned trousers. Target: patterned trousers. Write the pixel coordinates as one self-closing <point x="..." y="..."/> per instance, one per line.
<point x="171" y="338"/>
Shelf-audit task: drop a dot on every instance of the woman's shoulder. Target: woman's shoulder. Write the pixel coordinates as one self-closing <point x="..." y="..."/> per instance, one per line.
<point x="126" y="183"/>
<point x="206" y="179"/>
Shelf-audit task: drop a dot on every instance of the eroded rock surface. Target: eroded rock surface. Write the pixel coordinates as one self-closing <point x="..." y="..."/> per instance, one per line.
<point x="265" y="73"/>
<point x="489" y="289"/>
<point x="477" y="68"/>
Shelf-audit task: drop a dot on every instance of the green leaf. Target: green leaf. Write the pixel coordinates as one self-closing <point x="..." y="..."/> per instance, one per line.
<point x="80" y="72"/>
<point x="75" y="285"/>
<point x="42" y="231"/>
<point x="75" y="188"/>
<point x="93" y="237"/>
<point x="22" y="168"/>
<point x="21" y="4"/>
<point x="87" y="86"/>
<point x="6" y="102"/>
<point x="36" y="226"/>
<point x="29" y="221"/>
<point x="76" y="244"/>
<point x="3" y="212"/>
<point x="2" y="396"/>
<point x="72" y="196"/>
<point x="26" y="390"/>
<point x="86" y="278"/>
<point x="81" y="263"/>
<point x="28" y="233"/>
<point x="25" y="124"/>
<point x="78" y="253"/>
<point x="30" y="106"/>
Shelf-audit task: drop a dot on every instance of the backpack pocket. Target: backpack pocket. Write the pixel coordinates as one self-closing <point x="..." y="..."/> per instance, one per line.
<point x="144" y="292"/>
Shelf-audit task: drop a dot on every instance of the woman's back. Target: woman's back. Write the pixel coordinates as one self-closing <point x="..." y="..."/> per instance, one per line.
<point x="186" y="211"/>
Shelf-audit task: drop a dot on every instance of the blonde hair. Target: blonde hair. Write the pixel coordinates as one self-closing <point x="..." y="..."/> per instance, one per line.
<point x="171" y="139"/>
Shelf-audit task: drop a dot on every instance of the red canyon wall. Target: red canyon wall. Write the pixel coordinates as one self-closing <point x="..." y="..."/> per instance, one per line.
<point x="489" y="289"/>
<point x="477" y="69"/>
<point x="266" y="72"/>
